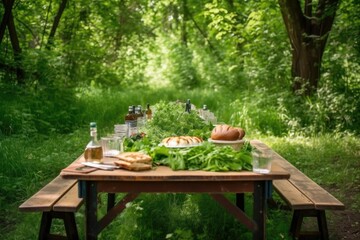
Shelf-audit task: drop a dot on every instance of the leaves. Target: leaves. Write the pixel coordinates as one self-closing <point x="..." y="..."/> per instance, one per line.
<point x="207" y="156"/>
<point x="170" y="119"/>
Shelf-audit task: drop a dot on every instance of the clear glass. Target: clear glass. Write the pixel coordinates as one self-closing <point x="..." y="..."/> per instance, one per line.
<point x="121" y="130"/>
<point x="111" y="145"/>
<point x="261" y="161"/>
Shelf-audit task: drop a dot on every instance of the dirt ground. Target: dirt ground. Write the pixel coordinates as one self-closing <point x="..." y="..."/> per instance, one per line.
<point x="346" y="225"/>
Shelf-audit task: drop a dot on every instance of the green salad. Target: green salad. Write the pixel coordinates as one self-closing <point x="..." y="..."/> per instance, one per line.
<point x="170" y="119"/>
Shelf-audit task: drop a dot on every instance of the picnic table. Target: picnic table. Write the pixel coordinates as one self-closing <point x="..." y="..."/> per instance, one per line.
<point x="162" y="179"/>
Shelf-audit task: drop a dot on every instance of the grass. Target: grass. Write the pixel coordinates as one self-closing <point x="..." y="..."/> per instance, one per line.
<point x="28" y="163"/>
<point x="332" y="164"/>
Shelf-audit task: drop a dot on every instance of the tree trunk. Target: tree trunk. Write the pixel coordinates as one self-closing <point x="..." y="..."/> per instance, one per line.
<point x="56" y="24"/>
<point x="8" y="4"/>
<point x="184" y="22"/>
<point x="308" y="32"/>
<point x="9" y="22"/>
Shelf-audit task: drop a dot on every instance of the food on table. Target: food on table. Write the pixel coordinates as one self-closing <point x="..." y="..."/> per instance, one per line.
<point x="134" y="157"/>
<point x="226" y="132"/>
<point x="241" y="132"/>
<point x="181" y="141"/>
<point x="133" y="166"/>
<point x="134" y="161"/>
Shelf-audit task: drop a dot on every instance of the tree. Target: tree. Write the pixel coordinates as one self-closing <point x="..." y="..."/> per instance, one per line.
<point x="308" y="31"/>
<point x="56" y="23"/>
<point x="8" y="20"/>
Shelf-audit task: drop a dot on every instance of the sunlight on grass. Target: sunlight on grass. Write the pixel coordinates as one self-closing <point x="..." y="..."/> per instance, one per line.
<point x="331" y="160"/>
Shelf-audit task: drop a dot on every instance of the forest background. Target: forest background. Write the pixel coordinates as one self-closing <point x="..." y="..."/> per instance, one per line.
<point x="66" y="63"/>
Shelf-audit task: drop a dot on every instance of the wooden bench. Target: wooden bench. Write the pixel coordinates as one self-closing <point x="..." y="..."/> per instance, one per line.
<point x="57" y="200"/>
<point x="305" y="198"/>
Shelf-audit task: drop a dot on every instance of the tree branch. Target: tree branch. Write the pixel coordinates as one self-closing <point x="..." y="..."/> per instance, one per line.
<point x="56" y="23"/>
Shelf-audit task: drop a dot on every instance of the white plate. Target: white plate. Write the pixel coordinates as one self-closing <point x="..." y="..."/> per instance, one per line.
<point x="226" y="142"/>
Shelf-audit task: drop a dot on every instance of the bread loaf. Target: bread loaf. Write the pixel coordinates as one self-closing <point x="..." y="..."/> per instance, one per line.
<point x="134" y="161"/>
<point x="133" y="166"/>
<point x="134" y="157"/>
<point x="241" y="133"/>
<point x="181" y="141"/>
<point x="227" y="133"/>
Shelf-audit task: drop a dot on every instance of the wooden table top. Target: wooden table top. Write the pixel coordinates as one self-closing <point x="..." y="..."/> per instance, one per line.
<point x="163" y="173"/>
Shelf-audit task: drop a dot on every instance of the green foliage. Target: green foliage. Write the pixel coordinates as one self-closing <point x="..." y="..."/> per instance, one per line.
<point x="209" y="157"/>
<point x="108" y="55"/>
<point x="326" y="112"/>
<point x="170" y="119"/>
<point x="26" y="111"/>
<point x="182" y="73"/>
<point x="258" y="112"/>
<point x="28" y="163"/>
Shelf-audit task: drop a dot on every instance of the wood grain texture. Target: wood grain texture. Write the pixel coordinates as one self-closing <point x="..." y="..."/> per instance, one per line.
<point x="292" y="196"/>
<point x="44" y="199"/>
<point x="315" y="193"/>
<point x="163" y="173"/>
<point x="70" y="202"/>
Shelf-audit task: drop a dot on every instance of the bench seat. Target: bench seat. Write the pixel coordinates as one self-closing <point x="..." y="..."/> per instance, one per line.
<point x="58" y="199"/>
<point x="305" y="197"/>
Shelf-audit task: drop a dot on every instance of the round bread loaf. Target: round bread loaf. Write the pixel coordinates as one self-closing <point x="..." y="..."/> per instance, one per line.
<point x="227" y="133"/>
<point x="241" y="132"/>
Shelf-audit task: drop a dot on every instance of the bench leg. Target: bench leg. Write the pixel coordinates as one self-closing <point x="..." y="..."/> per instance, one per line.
<point x="69" y="223"/>
<point x="45" y="225"/>
<point x="323" y="229"/>
<point x="297" y="220"/>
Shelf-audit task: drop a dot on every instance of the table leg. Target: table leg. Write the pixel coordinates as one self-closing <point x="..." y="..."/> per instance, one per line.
<point x="240" y="201"/>
<point x="110" y="201"/>
<point x="259" y="209"/>
<point x="91" y="222"/>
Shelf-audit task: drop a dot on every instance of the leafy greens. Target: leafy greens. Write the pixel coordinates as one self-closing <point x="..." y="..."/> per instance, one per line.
<point x="170" y="119"/>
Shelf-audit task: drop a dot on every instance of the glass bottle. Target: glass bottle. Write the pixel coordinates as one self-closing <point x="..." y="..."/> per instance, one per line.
<point x="137" y="112"/>
<point x="93" y="151"/>
<point x="148" y="112"/>
<point x="188" y="106"/>
<point x="140" y="117"/>
<point x="130" y="121"/>
<point x="130" y="116"/>
<point x="204" y="113"/>
<point x="141" y="113"/>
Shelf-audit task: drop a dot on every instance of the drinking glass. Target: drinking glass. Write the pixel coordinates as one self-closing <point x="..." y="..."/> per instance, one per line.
<point x="111" y="145"/>
<point x="261" y="161"/>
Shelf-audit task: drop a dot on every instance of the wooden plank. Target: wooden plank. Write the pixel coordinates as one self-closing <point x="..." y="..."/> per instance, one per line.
<point x="176" y="187"/>
<point x="163" y="173"/>
<point x="319" y="196"/>
<point x="292" y="195"/>
<point x="44" y="199"/>
<point x="70" y="202"/>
